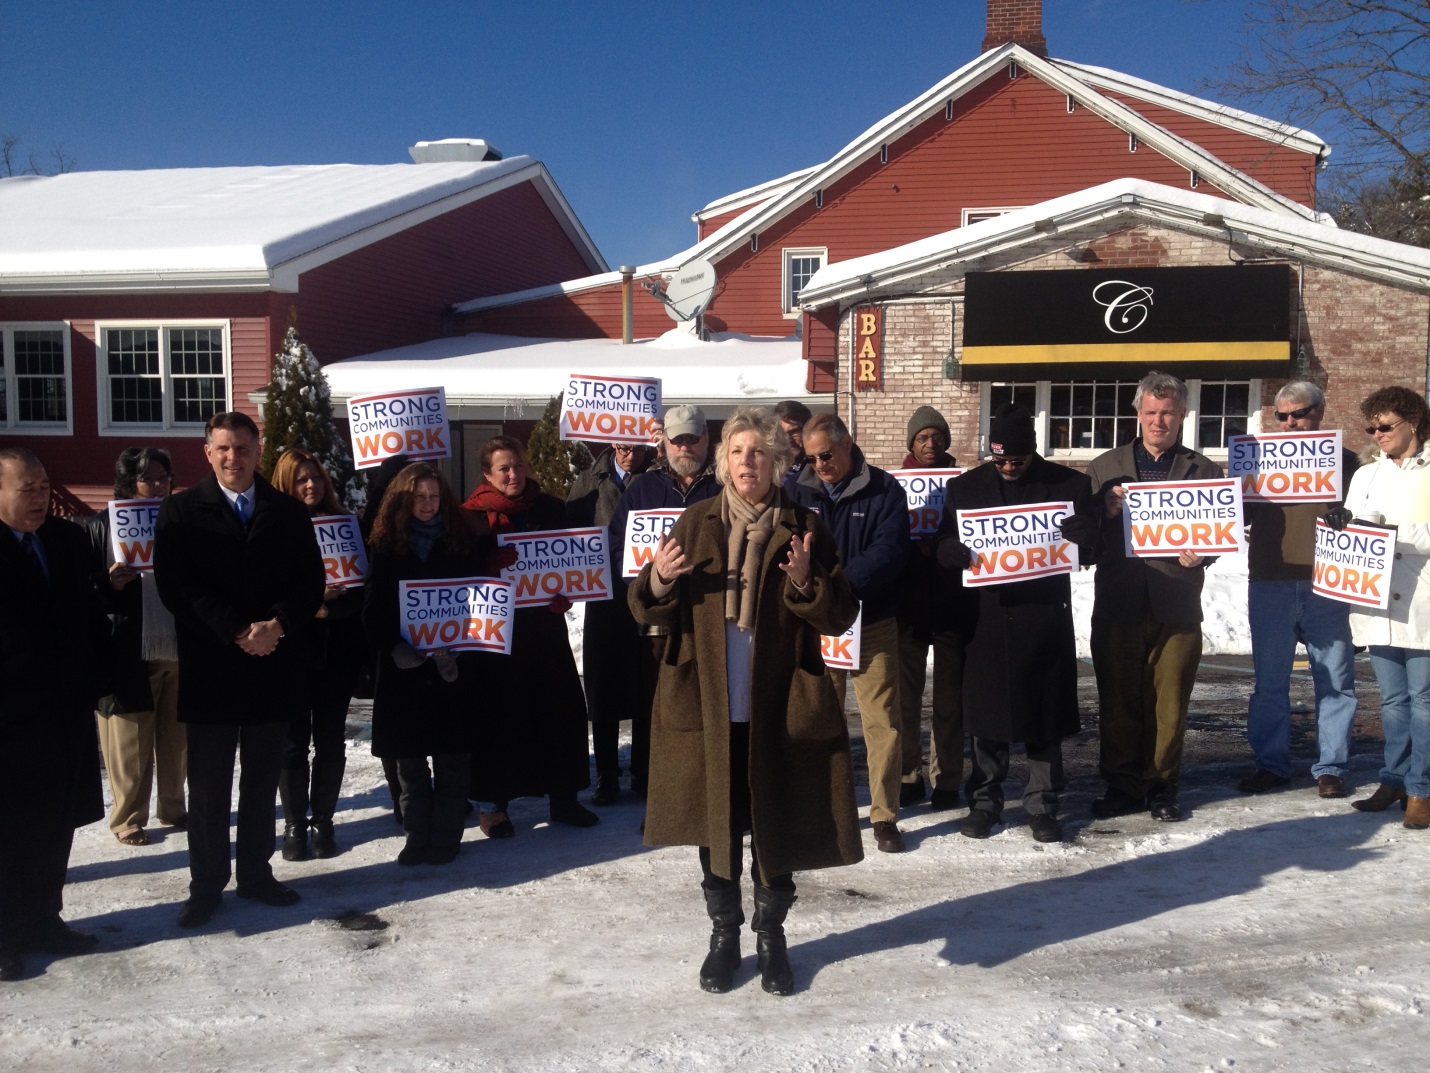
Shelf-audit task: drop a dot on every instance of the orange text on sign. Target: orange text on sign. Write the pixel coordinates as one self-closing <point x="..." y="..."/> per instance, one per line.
<point x="409" y="441"/>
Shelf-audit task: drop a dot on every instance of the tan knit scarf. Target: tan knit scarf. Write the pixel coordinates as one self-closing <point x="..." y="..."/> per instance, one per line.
<point x="751" y="525"/>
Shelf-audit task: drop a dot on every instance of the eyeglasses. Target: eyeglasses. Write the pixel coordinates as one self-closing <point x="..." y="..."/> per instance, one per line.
<point x="823" y="456"/>
<point x="627" y="448"/>
<point x="159" y="478"/>
<point x="1383" y="429"/>
<point x="1008" y="463"/>
<point x="1295" y="415"/>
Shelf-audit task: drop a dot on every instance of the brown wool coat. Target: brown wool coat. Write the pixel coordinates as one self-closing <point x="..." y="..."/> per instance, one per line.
<point x="801" y="777"/>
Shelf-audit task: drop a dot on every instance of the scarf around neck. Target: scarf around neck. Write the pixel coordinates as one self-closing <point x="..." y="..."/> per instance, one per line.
<point x="423" y="536"/>
<point x="501" y="508"/>
<point x="750" y="527"/>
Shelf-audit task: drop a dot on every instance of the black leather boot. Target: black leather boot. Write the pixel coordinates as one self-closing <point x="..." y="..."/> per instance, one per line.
<point x="771" y="907"/>
<point x="327" y="784"/>
<point x="717" y="971"/>
<point x="293" y="792"/>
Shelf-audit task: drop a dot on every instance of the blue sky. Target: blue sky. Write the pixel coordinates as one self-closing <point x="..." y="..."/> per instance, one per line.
<point x="642" y="112"/>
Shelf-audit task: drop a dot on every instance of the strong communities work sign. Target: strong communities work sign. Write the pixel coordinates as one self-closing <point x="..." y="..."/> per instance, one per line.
<point x="1353" y="564"/>
<point x="574" y="563"/>
<point x="610" y="409"/>
<point x="1016" y="543"/>
<point x="1287" y="467"/>
<point x="465" y="614"/>
<point x="411" y="423"/>
<point x="1165" y="518"/>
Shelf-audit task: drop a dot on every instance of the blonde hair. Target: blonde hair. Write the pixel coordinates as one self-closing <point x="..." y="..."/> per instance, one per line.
<point x="755" y="419"/>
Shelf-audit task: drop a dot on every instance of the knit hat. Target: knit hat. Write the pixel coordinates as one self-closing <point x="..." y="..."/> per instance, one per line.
<point x="1010" y="432"/>
<point x="926" y="417"/>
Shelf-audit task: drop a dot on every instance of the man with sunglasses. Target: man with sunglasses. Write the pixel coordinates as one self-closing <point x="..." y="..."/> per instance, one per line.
<point x="682" y="476"/>
<point x="1020" y="660"/>
<point x="866" y="509"/>
<point x="1283" y="610"/>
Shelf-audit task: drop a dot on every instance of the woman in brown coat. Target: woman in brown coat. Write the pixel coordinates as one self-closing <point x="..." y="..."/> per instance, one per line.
<point x="747" y="734"/>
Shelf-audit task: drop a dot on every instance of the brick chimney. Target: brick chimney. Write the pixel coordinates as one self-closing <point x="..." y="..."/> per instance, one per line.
<point x="1018" y="21"/>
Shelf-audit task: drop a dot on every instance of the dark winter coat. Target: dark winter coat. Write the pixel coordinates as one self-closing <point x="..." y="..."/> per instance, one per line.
<point x="1020" y="662"/>
<point x="1124" y="582"/>
<point x="801" y="779"/>
<point x="414" y="712"/>
<point x="870" y="522"/>
<point x="595" y="493"/>
<point x="53" y="667"/>
<point x="531" y="721"/>
<point x="218" y="577"/>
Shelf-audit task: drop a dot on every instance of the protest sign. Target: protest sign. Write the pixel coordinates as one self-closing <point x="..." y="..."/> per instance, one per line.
<point x="340" y="544"/>
<point x="1016" y="543"/>
<point x="1287" y="467"/>
<point x="131" y="531"/>
<point x="644" y="528"/>
<point x="610" y="409"/>
<point x="1353" y="565"/>
<point x="842" y="653"/>
<point x="1164" y="518"/>
<point x="411" y="423"/>
<point x="465" y="614"/>
<point x="924" y="489"/>
<point x="574" y="563"/>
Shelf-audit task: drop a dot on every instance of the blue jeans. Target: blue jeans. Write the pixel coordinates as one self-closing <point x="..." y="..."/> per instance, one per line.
<point x="1404" y="677"/>
<point x="1282" y="613"/>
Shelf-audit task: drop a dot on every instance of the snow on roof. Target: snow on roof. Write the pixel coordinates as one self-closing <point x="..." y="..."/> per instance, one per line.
<point x="759" y="192"/>
<point x="241" y="227"/>
<point x="502" y="373"/>
<point x="1310" y="239"/>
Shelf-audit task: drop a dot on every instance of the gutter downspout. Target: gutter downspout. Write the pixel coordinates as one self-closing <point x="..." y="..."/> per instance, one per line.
<point x="627" y="310"/>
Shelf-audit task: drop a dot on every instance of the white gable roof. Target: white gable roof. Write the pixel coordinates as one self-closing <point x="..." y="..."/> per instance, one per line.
<point x="1109" y="204"/>
<point x="244" y="228"/>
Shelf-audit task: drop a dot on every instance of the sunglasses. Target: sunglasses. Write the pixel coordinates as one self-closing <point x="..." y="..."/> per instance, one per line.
<point x="1295" y="415"/>
<point x="823" y="456"/>
<point x="1371" y="430"/>
<point x="1009" y="463"/>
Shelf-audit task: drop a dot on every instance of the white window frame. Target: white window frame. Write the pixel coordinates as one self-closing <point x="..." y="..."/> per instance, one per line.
<point x="978" y="214"/>
<point x="1043" y="395"/>
<point x="12" y="422"/>
<point x="788" y="255"/>
<point x="168" y="426"/>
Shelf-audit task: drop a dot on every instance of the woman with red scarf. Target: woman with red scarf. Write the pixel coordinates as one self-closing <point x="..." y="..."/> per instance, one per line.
<point x="533" y="734"/>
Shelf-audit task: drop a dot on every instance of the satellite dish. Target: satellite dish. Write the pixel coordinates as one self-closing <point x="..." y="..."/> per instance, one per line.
<point x="689" y="289"/>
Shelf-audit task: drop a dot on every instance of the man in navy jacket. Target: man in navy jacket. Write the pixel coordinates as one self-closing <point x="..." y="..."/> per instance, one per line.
<point x="868" y="513"/>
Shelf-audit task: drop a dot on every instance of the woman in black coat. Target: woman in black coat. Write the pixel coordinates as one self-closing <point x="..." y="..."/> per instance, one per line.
<point x="335" y="648"/>
<point x="534" y="733"/>
<point x="421" y="703"/>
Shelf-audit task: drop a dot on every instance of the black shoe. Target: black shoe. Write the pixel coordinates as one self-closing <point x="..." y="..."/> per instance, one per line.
<point x="717" y="971"/>
<point x="56" y="937"/>
<point x="11" y="967"/>
<point x="1261" y="780"/>
<point x="608" y="790"/>
<point x="322" y="844"/>
<point x="888" y="838"/>
<point x="269" y="893"/>
<point x="1045" y="828"/>
<point x="412" y="853"/>
<point x="295" y="841"/>
<point x="912" y="793"/>
<point x="1164" y="807"/>
<point x="442" y="856"/>
<point x="1116" y="803"/>
<point x="979" y="823"/>
<point x="573" y="813"/>
<point x="943" y="800"/>
<point x="197" y="911"/>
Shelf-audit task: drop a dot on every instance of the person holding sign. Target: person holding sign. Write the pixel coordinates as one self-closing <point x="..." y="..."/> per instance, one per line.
<point x="140" y="735"/>
<point x="1020" y="669"/>
<point x="1146" y="613"/>
<point x="421" y="706"/>
<point x="237" y="563"/>
<point x="933" y="610"/>
<point x="747" y="733"/>
<point x="1394" y="490"/>
<point x="868" y="512"/>
<point x="533" y="726"/>
<point x="53" y="665"/>
<point x="335" y="645"/>
<point x="1283" y="609"/>
<point x="610" y="653"/>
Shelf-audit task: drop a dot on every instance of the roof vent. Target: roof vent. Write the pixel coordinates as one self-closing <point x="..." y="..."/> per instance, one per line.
<point x="453" y="149"/>
<point x="1018" y="22"/>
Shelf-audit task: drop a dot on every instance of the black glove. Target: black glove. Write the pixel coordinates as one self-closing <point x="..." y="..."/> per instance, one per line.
<point x="1337" y="518"/>
<point x="1079" y="528"/>
<point x="954" y="554"/>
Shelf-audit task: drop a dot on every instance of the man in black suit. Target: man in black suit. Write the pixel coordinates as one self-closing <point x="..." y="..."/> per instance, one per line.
<point x="53" y="634"/>
<point x="237" y="563"/>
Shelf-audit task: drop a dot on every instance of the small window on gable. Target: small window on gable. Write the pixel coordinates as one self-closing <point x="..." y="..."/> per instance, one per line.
<point x="35" y="381"/>
<point x="973" y="216"/>
<point x="799" y="266"/>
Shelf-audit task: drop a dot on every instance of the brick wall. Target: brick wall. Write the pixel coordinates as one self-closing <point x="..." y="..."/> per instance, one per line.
<point x="1359" y="334"/>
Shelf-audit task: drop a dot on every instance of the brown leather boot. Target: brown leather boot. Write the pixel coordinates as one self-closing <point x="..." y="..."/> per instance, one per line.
<point x="1382" y="799"/>
<point x="1417" y="813"/>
